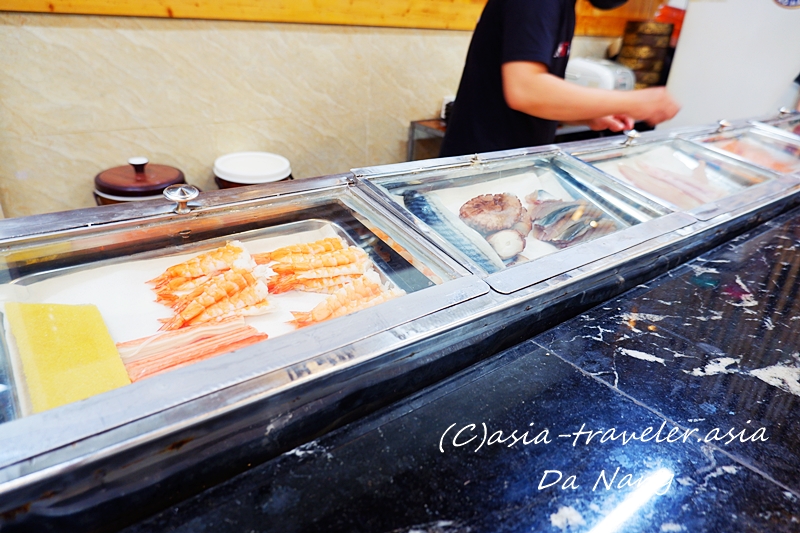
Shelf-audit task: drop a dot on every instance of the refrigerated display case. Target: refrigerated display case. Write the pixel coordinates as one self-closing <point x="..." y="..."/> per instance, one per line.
<point x="726" y="195"/>
<point x="768" y="148"/>
<point x="436" y="286"/>
<point x="110" y="381"/>
<point x="787" y="122"/>
<point x="615" y="232"/>
<point x="520" y="217"/>
<point x="169" y="290"/>
<point x="685" y="174"/>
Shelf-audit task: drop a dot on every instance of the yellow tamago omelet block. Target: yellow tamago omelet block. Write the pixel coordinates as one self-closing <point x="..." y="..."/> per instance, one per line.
<point x="66" y="352"/>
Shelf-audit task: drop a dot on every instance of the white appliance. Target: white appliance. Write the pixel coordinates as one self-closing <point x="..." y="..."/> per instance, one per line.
<point x="735" y="59"/>
<point x="599" y="74"/>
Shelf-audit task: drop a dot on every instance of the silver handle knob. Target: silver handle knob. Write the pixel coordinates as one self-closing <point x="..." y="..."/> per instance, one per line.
<point x="631" y="136"/>
<point x="182" y="194"/>
<point x="723" y="125"/>
<point x="785" y="111"/>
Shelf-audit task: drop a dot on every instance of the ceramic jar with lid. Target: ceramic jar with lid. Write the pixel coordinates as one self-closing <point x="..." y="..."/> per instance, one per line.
<point x="138" y="180"/>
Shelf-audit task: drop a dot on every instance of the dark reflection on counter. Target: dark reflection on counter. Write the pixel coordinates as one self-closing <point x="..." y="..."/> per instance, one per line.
<point x="553" y="435"/>
<point x="427" y="465"/>
<point x="713" y="342"/>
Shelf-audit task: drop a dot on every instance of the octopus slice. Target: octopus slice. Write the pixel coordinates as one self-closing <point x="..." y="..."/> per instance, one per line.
<point x="507" y="243"/>
<point x="524" y="225"/>
<point x="488" y="213"/>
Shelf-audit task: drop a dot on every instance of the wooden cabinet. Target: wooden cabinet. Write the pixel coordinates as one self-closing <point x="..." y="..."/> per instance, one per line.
<point x="434" y="14"/>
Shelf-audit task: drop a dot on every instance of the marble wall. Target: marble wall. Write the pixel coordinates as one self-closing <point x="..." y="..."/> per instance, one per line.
<point x="80" y="94"/>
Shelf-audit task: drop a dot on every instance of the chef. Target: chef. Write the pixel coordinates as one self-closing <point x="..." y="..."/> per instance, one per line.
<point x="513" y="94"/>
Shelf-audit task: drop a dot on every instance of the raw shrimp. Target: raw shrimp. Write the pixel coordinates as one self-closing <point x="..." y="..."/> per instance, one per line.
<point x="174" y="288"/>
<point x="215" y="289"/>
<point x="285" y="282"/>
<point x="216" y="260"/>
<point x="361" y="289"/>
<point x="290" y="264"/>
<point x="304" y="319"/>
<point x="359" y="267"/>
<point x="330" y="244"/>
<point x="322" y="284"/>
<point x="761" y="156"/>
<point x="358" y="305"/>
<point x="253" y="295"/>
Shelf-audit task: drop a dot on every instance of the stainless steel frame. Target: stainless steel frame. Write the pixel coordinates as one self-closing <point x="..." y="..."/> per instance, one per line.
<point x="772" y="123"/>
<point x="23" y="447"/>
<point x="520" y="276"/>
<point x="170" y="434"/>
<point x="758" y="130"/>
<point x="729" y="204"/>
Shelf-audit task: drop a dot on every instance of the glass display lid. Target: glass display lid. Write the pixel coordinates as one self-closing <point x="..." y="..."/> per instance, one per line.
<point x="788" y="122"/>
<point x="520" y="217"/>
<point x="90" y="308"/>
<point x="771" y="150"/>
<point x="683" y="175"/>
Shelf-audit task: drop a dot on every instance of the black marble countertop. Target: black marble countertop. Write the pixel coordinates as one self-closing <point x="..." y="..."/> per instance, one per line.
<point x="675" y="407"/>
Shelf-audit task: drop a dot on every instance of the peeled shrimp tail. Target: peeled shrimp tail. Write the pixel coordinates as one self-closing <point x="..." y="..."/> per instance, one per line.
<point x="160" y="281"/>
<point x="283" y="284"/>
<point x="172" y="290"/>
<point x="302" y="318"/>
<point x="167" y="298"/>
<point x="261" y="259"/>
<point x="169" y="324"/>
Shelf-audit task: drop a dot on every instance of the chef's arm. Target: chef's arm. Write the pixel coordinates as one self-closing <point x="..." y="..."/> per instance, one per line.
<point x="528" y="87"/>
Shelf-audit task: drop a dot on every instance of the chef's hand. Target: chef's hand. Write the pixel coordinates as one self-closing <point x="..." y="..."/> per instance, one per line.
<point x="611" y="122"/>
<point x="653" y="105"/>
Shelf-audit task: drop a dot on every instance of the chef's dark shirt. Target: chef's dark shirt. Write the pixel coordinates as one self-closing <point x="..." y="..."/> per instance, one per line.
<point x="508" y="30"/>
